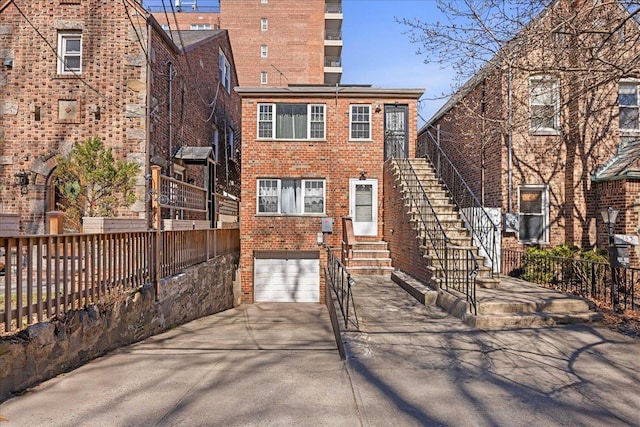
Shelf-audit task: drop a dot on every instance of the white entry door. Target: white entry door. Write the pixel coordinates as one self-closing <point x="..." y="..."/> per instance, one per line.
<point x="363" y="206"/>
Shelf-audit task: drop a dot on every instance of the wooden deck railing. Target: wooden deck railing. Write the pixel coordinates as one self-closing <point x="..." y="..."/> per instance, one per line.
<point x="45" y="276"/>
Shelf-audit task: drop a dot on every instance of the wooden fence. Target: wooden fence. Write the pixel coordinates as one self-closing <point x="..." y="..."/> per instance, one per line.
<point x="45" y="276"/>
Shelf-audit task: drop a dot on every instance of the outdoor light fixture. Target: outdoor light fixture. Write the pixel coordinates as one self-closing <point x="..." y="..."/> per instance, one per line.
<point x="363" y="176"/>
<point x="609" y="217"/>
<point x="21" y="179"/>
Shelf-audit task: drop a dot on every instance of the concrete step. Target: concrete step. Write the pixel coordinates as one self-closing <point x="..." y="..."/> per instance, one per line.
<point x="369" y="262"/>
<point x="530" y="320"/>
<point x="370" y="253"/>
<point x="370" y="271"/>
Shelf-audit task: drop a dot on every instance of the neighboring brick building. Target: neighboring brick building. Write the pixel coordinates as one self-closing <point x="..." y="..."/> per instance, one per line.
<point x="76" y="69"/>
<point x="550" y="136"/>
<point x="310" y="153"/>
<point x="276" y="42"/>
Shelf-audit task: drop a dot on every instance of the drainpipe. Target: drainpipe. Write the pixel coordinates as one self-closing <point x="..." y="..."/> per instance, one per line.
<point x="509" y="141"/>
<point x="147" y="144"/>
<point x="170" y="165"/>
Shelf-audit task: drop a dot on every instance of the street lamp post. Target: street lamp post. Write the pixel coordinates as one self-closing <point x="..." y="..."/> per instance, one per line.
<point x="609" y="217"/>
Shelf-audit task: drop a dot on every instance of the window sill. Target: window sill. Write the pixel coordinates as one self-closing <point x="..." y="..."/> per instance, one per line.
<point x="279" y="215"/>
<point x="290" y="140"/>
<point x="544" y="132"/>
<point x="68" y="76"/>
<point x="360" y="140"/>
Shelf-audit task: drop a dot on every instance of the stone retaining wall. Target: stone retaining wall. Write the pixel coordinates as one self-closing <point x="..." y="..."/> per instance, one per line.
<point x="47" y="349"/>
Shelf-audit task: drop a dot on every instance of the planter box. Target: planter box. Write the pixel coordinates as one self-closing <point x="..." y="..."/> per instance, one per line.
<point x="9" y="225"/>
<point x="185" y="224"/>
<point x="112" y="225"/>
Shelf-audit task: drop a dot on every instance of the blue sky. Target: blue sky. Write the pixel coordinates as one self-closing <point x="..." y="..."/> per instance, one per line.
<point x="378" y="52"/>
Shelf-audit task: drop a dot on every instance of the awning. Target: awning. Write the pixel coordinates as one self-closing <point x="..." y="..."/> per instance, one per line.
<point x="194" y="155"/>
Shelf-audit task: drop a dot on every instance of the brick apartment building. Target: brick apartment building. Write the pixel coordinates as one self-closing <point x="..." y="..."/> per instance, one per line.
<point x="276" y="42"/>
<point x="549" y="133"/>
<point x="313" y="154"/>
<point x="74" y="69"/>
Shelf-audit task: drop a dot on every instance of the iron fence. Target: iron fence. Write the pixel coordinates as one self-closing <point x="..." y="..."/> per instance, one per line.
<point x="589" y="279"/>
<point x="45" y="276"/>
<point x="341" y="283"/>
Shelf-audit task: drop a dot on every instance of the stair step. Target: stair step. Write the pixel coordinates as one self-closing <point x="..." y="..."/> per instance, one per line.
<point x="370" y="254"/>
<point x="370" y="262"/>
<point x="530" y="320"/>
<point x="370" y="271"/>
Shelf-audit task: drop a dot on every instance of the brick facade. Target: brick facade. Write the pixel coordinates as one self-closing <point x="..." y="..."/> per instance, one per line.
<point x="43" y="113"/>
<point x="485" y="131"/>
<point x="336" y="159"/>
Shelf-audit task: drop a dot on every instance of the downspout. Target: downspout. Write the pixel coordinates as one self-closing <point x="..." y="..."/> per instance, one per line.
<point x="509" y="141"/>
<point x="170" y="164"/>
<point x="147" y="144"/>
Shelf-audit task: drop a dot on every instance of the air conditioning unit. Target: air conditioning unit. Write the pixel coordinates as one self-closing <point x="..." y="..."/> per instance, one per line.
<point x="511" y="222"/>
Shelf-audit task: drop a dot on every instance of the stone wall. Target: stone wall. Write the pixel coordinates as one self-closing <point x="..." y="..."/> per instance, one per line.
<point x="47" y="349"/>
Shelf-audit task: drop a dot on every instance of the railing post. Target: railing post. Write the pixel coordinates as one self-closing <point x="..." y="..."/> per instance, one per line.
<point x="157" y="224"/>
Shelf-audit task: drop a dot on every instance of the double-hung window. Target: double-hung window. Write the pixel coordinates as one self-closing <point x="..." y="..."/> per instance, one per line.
<point x="70" y="53"/>
<point x="264" y="24"/>
<point x="291" y="121"/>
<point x="291" y="196"/>
<point x="544" y="104"/>
<point x="534" y="214"/>
<point x="264" y="51"/>
<point x="628" y="105"/>
<point x="225" y="71"/>
<point x="360" y="122"/>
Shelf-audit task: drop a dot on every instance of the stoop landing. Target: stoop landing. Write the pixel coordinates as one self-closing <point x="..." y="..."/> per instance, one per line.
<point x="514" y="303"/>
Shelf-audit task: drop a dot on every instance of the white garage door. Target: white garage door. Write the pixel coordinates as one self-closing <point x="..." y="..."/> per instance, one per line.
<point x="286" y="277"/>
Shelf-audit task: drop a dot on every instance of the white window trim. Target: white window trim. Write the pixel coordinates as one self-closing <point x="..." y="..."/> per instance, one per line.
<point x="630" y="131"/>
<point x="351" y="137"/>
<point x="225" y="68"/>
<point x="279" y="192"/>
<point x="545" y="214"/>
<point x="264" y="51"/>
<point x="274" y="113"/>
<point x="555" y="130"/>
<point x="264" y="78"/>
<point x="62" y="54"/>
<point x="264" y="24"/>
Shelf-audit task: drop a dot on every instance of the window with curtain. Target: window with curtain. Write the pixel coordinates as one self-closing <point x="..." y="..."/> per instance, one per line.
<point x="291" y="121"/>
<point x="544" y="108"/>
<point x="360" y="122"/>
<point x="289" y="196"/>
<point x="628" y="105"/>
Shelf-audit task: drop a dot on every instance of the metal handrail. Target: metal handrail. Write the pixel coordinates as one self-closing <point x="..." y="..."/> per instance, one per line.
<point x="341" y="283"/>
<point x="475" y="216"/>
<point x="459" y="266"/>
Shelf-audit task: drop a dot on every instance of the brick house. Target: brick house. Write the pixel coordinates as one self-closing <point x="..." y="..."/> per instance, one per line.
<point x="74" y="69"/>
<point x="276" y="43"/>
<point x="548" y="133"/>
<point x="313" y="154"/>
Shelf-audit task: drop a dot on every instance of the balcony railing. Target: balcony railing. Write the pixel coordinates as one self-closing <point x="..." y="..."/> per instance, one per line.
<point x="333" y="8"/>
<point x="333" y="35"/>
<point x="332" y="61"/>
<point x="45" y="276"/>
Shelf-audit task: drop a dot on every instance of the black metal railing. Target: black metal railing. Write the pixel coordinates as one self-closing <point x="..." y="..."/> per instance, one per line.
<point x="341" y="283"/>
<point x="586" y="278"/>
<point x="476" y="218"/>
<point x="458" y="264"/>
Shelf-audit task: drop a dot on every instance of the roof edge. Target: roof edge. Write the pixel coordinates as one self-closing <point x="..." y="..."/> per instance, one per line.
<point x="329" y="91"/>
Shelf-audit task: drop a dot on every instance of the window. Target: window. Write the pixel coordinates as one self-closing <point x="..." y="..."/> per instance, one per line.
<point x="534" y="214"/>
<point x="264" y="1"/>
<point x="264" y="78"/>
<point x="291" y="196"/>
<point x="216" y="144"/>
<point x="360" y="122"/>
<point x="291" y="121"/>
<point x="264" y="24"/>
<point x="225" y="71"/>
<point x="544" y="104"/>
<point x="165" y="27"/>
<point x="264" y="51"/>
<point x="70" y="53"/>
<point x="628" y="105"/>
<point x="200" y="27"/>
<point x="231" y="147"/>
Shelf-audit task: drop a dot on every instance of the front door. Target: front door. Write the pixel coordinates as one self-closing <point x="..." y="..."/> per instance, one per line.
<point x="395" y="131"/>
<point x="363" y="206"/>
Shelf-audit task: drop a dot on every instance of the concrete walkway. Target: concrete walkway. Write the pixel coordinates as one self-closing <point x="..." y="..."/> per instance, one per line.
<point x="407" y="365"/>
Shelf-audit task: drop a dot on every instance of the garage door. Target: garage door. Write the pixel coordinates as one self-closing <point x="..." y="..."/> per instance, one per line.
<point x="286" y="277"/>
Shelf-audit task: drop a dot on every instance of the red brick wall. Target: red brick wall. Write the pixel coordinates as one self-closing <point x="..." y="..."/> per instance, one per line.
<point x="114" y="80"/>
<point x="337" y="160"/>
<point x="295" y="39"/>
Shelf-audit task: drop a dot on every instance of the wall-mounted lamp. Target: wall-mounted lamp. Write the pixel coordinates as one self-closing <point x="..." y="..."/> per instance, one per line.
<point x="378" y="109"/>
<point x="21" y="179"/>
<point x="363" y="175"/>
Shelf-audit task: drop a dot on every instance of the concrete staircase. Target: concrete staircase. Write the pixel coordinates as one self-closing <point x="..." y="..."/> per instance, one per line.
<point x="369" y="258"/>
<point x="501" y="301"/>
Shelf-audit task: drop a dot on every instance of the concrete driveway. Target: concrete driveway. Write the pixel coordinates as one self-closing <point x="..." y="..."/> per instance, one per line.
<point x="256" y="365"/>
